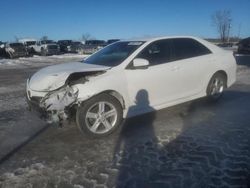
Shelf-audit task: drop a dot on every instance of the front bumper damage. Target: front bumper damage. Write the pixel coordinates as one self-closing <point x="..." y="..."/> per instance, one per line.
<point x="55" y="105"/>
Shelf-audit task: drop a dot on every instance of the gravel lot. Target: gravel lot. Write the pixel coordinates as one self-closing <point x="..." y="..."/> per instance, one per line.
<point x="196" y="144"/>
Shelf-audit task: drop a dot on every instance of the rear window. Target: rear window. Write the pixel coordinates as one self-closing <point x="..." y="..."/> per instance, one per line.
<point x="245" y="41"/>
<point x="187" y="48"/>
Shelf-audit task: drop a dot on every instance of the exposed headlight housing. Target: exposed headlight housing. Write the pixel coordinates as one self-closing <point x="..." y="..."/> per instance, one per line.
<point x="59" y="99"/>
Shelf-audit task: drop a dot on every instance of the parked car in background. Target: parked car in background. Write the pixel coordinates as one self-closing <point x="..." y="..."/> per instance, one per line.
<point x="129" y="78"/>
<point x="244" y="46"/>
<point x="76" y="47"/>
<point x="46" y="47"/>
<point x="15" y="50"/>
<point x="91" y="46"/>
<point x="28" y="43"/>
<point x="98" y="43"/>
<point x="2" y="49"/>
<point x="64" y="45"/>
<point x="70" y="46"/>
<point x="110" y="41"/>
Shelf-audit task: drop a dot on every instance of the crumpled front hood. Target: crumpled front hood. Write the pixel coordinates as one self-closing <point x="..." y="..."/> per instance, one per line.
<point x="53" y="77"/>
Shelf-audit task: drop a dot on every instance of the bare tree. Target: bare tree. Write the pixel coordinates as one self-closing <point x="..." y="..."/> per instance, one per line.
<point x="222" y="21"/>
<point x="86" y="36"/>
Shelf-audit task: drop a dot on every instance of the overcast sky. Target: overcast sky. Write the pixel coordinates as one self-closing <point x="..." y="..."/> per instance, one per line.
<point x="105" y="19"/>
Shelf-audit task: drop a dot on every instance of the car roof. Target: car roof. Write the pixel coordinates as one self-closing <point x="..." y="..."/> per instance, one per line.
<point x="150" y="39"/>
<point x="211" y="46"/>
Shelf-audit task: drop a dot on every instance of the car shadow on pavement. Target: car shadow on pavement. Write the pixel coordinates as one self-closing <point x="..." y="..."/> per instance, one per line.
<point x="212" y="149"/>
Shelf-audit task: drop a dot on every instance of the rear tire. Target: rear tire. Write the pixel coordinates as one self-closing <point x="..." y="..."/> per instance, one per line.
<point x="99" y="116"/>
<point x="216" y="86"/>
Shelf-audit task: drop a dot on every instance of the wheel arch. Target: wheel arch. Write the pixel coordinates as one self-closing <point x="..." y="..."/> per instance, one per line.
<point x="117" y="95"/>
<point x="113" y="93"/>
<point x="222" y="72"/>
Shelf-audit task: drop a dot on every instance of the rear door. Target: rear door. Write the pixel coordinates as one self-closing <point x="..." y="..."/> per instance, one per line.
<point x="195" y="64"/>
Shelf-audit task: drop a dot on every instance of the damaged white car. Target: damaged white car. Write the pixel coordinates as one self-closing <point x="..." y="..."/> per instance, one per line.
<point x="128" y="78"/>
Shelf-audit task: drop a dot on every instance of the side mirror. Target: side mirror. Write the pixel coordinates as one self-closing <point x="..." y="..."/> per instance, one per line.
<point x="140" y="63"/>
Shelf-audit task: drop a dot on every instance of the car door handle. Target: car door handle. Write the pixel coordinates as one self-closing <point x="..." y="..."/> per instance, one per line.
<point x="175" y="68"/>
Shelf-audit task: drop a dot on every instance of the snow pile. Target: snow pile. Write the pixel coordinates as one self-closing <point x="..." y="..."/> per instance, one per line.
<point x="40" y="60"/>
<point x="9" y="62"/>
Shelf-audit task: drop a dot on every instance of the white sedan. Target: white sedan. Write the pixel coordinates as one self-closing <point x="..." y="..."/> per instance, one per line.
<point x="129" y="78"/>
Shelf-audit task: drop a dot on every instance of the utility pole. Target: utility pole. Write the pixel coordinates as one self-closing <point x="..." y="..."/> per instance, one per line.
<point x="229" y="27"/>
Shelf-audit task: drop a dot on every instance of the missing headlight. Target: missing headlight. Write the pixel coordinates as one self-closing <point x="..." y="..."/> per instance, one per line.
<point x="59" y="99"/>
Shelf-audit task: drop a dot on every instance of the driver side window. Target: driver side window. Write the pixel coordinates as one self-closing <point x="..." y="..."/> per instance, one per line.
<point x="158" y="52"/>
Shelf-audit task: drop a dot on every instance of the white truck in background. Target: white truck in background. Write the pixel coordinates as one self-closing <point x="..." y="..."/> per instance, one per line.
<point x="28" y="43"/>
<point x="45" y="47"/>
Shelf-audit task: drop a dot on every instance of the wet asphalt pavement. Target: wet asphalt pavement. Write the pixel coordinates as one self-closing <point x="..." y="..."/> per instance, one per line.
<point x="195" y="144"/>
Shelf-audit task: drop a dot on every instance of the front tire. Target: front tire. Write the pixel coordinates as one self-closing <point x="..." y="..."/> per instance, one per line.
<point x="99" y="116"/>
<point x="216" y="86"/>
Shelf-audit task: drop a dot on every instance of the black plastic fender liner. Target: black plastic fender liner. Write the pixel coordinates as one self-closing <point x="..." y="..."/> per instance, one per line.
<point x="80" y="77"/>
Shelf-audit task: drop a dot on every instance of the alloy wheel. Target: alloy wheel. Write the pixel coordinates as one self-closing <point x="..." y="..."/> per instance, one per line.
<point x="101" y="117"/>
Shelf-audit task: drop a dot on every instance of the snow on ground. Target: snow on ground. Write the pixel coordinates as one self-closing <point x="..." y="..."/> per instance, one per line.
<point x="40" y="175"/>
<point x="39" y="60"/>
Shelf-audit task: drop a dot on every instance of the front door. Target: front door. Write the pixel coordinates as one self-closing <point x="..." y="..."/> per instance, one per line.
<point x="160" y="82"/>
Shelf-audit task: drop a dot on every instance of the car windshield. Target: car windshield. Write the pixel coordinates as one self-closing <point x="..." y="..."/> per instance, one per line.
<point x="114" y="54"/>
<point x="16" y="45"/>
<point x="29" y="43"/>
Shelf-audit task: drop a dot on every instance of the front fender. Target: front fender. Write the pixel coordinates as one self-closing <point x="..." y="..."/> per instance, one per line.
<point x="104" y="83"/>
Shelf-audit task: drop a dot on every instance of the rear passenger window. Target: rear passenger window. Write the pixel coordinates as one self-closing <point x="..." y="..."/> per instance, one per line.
<point x="157" y="52"/>
<point x="187" y="48"/>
